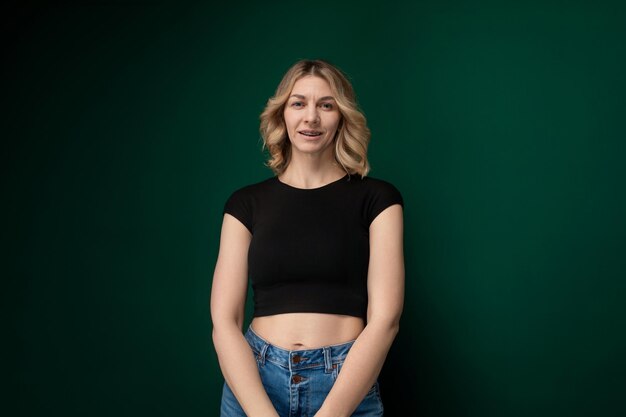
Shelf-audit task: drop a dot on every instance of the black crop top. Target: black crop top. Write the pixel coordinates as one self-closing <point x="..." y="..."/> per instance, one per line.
<point x="310" y="247"/>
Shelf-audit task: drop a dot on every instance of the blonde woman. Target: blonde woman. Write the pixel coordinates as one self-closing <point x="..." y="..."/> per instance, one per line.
<point x="322" y="244"/>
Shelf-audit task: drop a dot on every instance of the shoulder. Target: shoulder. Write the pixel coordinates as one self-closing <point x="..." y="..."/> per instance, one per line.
<point x="255" y="186"/>
<point x="242" y="203"/>
<point x="378" y="195"/>
<point x="252" y="189"/>
<point x="377" y="183"/>
<point x="377" y="187"/>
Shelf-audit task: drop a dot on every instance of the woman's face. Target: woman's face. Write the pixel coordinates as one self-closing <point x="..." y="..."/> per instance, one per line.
<point x="311" y="116"/>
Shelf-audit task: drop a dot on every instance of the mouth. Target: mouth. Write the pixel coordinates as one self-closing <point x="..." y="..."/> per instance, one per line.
<point x="313" y="134"/>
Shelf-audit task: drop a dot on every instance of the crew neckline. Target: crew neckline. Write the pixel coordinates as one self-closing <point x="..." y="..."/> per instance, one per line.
<point x="283" y="184"/>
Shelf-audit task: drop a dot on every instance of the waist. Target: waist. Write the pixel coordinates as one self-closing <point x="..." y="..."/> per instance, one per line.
<point x="293" y="331"/>
<point x="294" y="359"/>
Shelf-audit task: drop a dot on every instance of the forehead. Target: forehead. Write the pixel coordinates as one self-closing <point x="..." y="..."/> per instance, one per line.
<point x="311" y="85"/>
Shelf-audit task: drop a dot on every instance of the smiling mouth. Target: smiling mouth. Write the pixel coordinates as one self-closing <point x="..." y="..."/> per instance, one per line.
<point x="311" y="133"/>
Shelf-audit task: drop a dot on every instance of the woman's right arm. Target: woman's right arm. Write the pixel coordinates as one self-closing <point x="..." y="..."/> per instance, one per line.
<point x="228" y="297"/>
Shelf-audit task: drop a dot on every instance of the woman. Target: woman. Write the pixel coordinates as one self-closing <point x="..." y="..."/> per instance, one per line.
<point x="322" y="244"/>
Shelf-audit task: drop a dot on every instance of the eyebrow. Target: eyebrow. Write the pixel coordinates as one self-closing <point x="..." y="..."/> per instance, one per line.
<point x="300" y="96"/>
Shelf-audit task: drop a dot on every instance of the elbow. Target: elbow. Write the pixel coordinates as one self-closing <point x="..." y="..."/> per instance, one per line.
<point x="394" y="328"/>
<point x="387" y="325"/>
<point x="223" y="328"/>
<point x="391" y="329"/>
<point x="215" y="337"/>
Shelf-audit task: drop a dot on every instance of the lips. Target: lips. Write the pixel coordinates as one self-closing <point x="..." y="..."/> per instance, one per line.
<point x="310" y="133"/>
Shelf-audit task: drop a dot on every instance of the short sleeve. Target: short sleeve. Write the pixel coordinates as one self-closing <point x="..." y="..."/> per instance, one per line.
<point x="239" y="205"/>
<point x="382" y="195"/>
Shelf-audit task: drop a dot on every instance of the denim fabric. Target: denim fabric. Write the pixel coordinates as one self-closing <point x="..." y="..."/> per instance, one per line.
<point x="297" y="381"/>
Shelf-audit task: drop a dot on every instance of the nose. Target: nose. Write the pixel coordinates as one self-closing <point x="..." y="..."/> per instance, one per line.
<point x="312" y="116"/>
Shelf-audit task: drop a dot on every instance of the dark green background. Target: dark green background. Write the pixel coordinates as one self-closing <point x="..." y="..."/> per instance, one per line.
<point x="129" y="123"/>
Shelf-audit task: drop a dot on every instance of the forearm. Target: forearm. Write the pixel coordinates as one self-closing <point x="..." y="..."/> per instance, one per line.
<point x="360" y="370"/>
<point x="240" y="371"/>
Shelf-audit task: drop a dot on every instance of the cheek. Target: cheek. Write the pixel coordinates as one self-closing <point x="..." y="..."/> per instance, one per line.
<point x="337" y="123"/>
<point x="287" y="118"/>
<point x="289" y="125"/>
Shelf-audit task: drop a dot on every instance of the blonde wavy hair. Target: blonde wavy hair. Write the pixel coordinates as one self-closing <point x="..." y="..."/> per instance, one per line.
<point x="352" y="137"/>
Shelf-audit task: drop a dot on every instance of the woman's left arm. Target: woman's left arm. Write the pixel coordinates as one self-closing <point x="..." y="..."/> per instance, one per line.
<point x="385" y="287"/>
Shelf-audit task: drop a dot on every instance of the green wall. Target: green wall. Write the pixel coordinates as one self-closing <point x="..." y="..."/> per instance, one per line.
<point x="129" y="123"/>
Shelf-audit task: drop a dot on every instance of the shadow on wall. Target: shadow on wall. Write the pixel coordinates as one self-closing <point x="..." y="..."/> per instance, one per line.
<point x="411" y="383"/>
<point x="399" y="378"/>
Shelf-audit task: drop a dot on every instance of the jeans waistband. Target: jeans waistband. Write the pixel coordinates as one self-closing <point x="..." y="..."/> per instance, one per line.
<point x="326" y="356"/>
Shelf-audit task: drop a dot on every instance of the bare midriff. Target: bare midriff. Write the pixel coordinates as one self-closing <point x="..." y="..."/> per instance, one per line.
<point x="300" y="331"/>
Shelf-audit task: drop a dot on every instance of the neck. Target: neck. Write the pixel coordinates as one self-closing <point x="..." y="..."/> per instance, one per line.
<point x="311" y="172"/>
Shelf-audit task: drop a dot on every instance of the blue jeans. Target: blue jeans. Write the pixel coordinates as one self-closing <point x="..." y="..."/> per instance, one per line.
<point x="297" y="381"/>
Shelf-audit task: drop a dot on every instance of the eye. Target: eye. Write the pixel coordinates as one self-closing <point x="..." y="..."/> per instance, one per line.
<point x="297" y="104"/>
<point x="327" y="106"/>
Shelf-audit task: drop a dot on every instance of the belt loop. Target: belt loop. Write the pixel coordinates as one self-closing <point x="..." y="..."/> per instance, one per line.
<point x="263" y="353"/>
<point x="328" y="363"/>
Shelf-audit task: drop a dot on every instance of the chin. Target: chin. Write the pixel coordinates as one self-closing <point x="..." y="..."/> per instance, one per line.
<point x="311" y="148"/>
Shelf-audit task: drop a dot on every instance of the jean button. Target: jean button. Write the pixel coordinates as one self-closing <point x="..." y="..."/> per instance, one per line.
<point x="296" y="379"/>
<point x="296" y="359"/>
